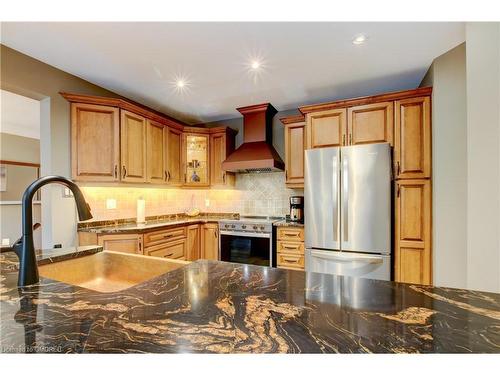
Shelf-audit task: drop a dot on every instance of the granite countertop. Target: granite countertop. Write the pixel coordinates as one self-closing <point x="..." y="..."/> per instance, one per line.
<point x="218" y="307"/>
<point x="127" y="226"/>
<point x="285" y="223"/>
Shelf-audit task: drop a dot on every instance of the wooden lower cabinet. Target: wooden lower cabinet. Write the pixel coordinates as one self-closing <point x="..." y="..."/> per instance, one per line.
<point x="210" y="241"/>
<point x="290" y="248"/>
<point x="413" y="223"/>
<point x="171" y="249"/>
<point x="124" y="243"/>
<point x="193" y="248"/>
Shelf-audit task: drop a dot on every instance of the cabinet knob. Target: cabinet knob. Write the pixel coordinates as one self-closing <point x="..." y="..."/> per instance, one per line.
<point x="116" y="171"/>
<point x="124" y="170"/>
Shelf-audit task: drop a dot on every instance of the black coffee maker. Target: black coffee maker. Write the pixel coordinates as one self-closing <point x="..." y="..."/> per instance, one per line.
<point x="297" y="209"/>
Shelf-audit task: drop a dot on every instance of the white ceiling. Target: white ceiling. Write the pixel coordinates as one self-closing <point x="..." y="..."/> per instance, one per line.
<point x="303" y="63"/>
<point x="19" y="115"/>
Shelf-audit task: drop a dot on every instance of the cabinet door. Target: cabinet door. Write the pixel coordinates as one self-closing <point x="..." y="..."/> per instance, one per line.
<point x="412" y="144"/>
<point x="371" y="123"/>
<point x="196" y="159"/>
<point x="156" y="153"/>
<point x="95" y="142"/>
<point x="133" y="147"/>
<point x="193" y="250"/>
<point x="326" y="128"/>
<point x="124" y="243"/>
<point x="210" y="242"/>
<point x="294" y="154"/>
<point x="413" y="231"/>
<point x="219" y="149"/>
<point x="173" y="139"/>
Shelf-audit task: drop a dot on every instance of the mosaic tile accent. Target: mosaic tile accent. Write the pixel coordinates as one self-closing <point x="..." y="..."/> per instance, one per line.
<point x="253" y="194"/>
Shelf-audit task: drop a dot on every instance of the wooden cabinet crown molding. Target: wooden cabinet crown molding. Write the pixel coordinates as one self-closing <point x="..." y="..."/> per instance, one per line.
<point x="391" y="96"/>
<point x="142" y="110"/>
<point x="125" y="105"/>
<point x="292" y="119"/>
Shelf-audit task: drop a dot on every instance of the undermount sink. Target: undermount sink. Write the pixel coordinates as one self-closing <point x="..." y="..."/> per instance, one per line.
<point x="109" y="271"/>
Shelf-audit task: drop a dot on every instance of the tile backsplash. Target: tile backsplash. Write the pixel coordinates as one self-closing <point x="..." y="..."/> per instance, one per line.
<point x="253" y="194"/>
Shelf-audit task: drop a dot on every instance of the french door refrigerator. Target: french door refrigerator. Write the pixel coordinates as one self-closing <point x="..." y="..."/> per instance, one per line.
<point x="347" y="202"/>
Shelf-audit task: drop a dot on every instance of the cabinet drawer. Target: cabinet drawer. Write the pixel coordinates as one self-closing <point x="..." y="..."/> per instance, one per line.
<point x="174" y="250"/>
<point x="291" y="234"/>
<point x="290" y="260"/>
<point x="291" y="247"/>
<point x="162" y="236"/>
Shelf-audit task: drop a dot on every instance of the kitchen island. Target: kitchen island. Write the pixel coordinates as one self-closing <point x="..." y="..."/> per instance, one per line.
<point x="218" y="307"/>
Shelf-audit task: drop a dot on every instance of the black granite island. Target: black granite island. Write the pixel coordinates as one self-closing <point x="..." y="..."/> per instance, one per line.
<point x="218" y="307"/>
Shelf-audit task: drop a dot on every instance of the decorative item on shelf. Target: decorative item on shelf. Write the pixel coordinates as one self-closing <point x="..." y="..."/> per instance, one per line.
<point x="195" y="177"/>
<point x="192" y="211"/>
<point x="141" y="211"/>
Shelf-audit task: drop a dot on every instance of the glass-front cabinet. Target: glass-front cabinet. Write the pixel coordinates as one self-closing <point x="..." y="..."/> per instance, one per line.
<point x="196" y="160"/>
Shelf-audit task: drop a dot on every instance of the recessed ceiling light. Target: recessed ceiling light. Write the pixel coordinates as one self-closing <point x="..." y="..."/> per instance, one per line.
<point x="359" y="39"/>
<point x="180" y="83"/>
<point x="255" y="65"/>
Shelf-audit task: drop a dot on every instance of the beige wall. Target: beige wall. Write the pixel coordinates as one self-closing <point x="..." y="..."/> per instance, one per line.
<point x="483" y="150"/>
<point x="24" y="75"/>
<point x="17" y="148"/>
<point x="447" y="75"/>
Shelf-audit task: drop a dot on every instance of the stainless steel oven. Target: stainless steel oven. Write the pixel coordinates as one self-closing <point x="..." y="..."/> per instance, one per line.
<point x="247" y="241"/>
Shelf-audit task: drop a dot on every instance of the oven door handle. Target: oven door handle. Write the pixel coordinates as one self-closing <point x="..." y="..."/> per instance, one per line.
<point x="244" y="234"/>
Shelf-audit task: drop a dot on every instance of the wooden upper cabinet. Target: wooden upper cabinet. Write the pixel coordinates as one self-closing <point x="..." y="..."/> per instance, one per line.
<point x="95" y="142"/>
<point x="156" y="153"/>
<point x="370" y="123"/>
<point x="326" y="128"/>
<point x="221" y="145"/>
<point x="173" y="140"/>
<point x="210" y="241"/>
<point x="133" y="147"/>
<point x="196" y="159"/>
<point x="295" y="144"/>
<point x="413" y="231"/>
<point x="412" y="143"/>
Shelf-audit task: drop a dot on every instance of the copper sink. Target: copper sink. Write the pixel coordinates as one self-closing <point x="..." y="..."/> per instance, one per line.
<point x="109" y="271"/>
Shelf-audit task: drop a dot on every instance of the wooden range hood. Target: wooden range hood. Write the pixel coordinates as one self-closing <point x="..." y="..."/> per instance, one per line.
<point x="257" y="153"/>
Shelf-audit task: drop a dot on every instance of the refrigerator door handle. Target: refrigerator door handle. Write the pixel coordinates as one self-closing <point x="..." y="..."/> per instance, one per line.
<point x="343" y="258"/>
<point x="345" y="197"/>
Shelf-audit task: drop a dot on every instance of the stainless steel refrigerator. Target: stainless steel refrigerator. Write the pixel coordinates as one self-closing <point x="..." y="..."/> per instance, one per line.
<point x="347" y="202"/>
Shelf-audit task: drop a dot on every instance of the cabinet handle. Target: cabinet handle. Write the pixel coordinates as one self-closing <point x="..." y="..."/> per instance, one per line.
<point x="116" y="171"/>
<point x="224" y="177"/>
<point x="215" y="234"/>
<point x="139" y="246"/>
<point x="398" y="191"/>
<point x="168" y="255"/>
<point x="350" y="139"/>
<point x="288" y="260"/>
<point x="185" y="178"/>
<point x="166" y="176"/>
<point x="168" y="235"/>
<point x="398" y="168"/>
<point x="343" y="139"/>
<point x="290" y="247"/>
<point x="124" y="171"/>
<point x="286" y="174"/>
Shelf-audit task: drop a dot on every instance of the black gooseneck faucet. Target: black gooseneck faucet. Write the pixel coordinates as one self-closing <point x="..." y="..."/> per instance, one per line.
<point x="24" y="247"/>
